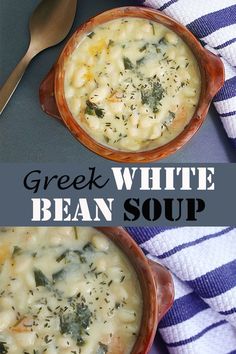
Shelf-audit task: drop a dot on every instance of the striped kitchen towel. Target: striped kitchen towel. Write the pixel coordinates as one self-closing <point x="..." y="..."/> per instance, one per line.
<point x="203" y="263"/>
<point x="214" y="23"/>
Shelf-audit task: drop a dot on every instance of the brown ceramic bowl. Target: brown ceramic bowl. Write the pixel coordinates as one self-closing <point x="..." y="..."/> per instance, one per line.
<point x="53" y="100"/>
<point x="156" y="285"/>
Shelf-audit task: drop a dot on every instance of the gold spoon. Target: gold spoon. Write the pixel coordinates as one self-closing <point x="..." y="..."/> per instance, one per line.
<point x="49" y="25"/>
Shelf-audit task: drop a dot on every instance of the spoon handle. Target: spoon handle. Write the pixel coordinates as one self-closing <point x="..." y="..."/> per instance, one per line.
<point x="12" y="82"/>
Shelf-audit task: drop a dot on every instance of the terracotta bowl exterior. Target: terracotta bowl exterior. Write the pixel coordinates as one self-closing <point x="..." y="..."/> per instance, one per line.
<point x="53" y="102"/>
<point x="156" y="285"/>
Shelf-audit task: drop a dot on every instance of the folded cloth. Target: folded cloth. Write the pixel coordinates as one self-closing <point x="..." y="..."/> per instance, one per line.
<point x="213" y="22"/>
<point x="202" y="261"/>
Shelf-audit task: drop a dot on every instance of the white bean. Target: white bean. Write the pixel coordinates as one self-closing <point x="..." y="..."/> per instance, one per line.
<point x="109" y="133"/>
<point x="148" y="28"/>
<point x="156" y="132"/>
<point x="127" y="316"/>
<point x="144" y="110"/>
<point x="134" y="119"/>
<point x="7" y="319"/>
<point x="75" y="105"/>
<point x="99" y="94"/>
<point x="120" y="292"/>
<point x="51" y="350"/>
<point x="126" y="144"/>
<point x="184" y="74"/>
<point x="70" y="91"/>
<point x="145" y="122"/>
<point x="130" y="328"/>
<point x="171" y="53"/>
<point x="123" y="34"/>
<point x="6" y="302"/>
<point x="116" y="274"/>
<point x="115" y="52"/>
<point x="133" y="132"/>
<point x="181" y="61"/>
<point x="101" y="265"/>
<point x="22" y="263"/>
<point x="16" y="285"/>
<point x="64" y="342"/>
<point x="93" y="122"/>
<point x="26" y="339"/>
<point x="29" y="279"/>
<point x="117" y="107"/>
<point x="100" y="242"/>
<point x="72" y="289"/>
<point x="171" y="37"/>
<point x="189" y="92"/>
<point x="79" y="79"/>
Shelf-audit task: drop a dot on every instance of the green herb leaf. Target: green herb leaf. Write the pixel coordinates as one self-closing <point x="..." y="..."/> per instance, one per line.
<point x="89" y="111"/>
<point x="73" y="266"/>
<point x="68" y="256"/>
<point x="106" y="139"/>
<point x="3" y="348"/>
<point x="16" y="251"/>
<point x="103" y="348"/>
<point x="111" y="43"/>
<point x="143" y="48"/>
<point x="172" y="114"/>
<point x="152" y="96"/>
<point x="99" y="112"/>
<point x="62" y="256"/>
<point x="84" y="315"/>
<point x="128" y="64"/>
<point x="91" y="105"/>
<point x="90" y="35"/>
<point x="162" y="41"/>
<point x="60" y="275"/>
<point x="76" y="323"/>
<point x="3" y="229"/>
<point x="169" y="120"/>
<point x="88" y="247"/>
<point x="158" y="50"/>
<point x="153" y="28"/>
<point x="81" y="256"/>
<point x="76" y="233"/>
<point x="40" y="278"/>
<point x="140" y="61"/>
<point x="122" y="278"/>
<point x="92" y="109"/>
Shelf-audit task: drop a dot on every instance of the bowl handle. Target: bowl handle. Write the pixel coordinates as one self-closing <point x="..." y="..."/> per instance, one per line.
<point x="165" y="287"/>
<point x="215" y="73"/>
<point x="46" y="95"/>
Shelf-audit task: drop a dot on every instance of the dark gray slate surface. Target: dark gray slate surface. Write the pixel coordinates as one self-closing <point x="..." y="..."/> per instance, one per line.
<point x="28" y="135"/>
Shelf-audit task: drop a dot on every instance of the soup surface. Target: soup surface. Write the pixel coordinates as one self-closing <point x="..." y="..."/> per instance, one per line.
<point x="66" y="291"/>
<point x="132" y="84"/>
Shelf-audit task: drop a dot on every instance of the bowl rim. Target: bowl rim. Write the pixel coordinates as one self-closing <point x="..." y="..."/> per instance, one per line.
<point x="203" y="59"/>
<point x="140" y="263"/>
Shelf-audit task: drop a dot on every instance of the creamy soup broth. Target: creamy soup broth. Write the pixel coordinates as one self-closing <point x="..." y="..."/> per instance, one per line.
<point x="132" y="84"/>
<point x="66" y="291"/>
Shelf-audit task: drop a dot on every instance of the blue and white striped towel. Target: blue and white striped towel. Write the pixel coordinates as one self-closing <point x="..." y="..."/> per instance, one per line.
<point x="214" y="23"/>
<point x="203" y="263"/>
